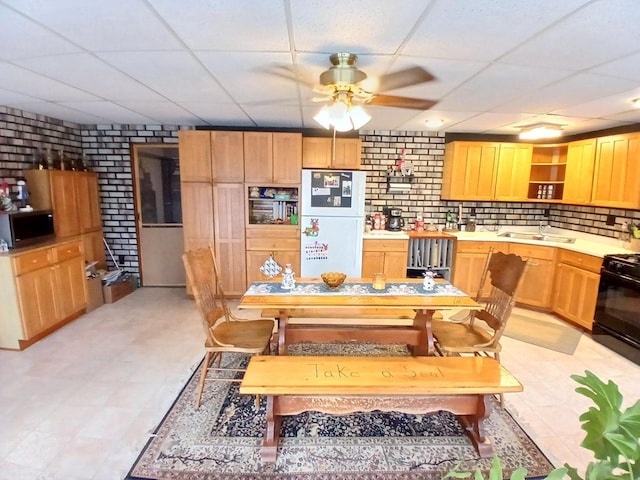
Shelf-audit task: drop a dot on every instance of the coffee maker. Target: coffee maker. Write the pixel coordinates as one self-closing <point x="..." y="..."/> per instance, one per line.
<point x="395" y="222"/>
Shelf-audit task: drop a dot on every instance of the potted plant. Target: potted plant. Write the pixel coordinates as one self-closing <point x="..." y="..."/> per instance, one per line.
<point x="612" y="435"/>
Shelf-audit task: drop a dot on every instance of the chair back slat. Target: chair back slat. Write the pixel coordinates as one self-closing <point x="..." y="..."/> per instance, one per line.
<point x="200" y="271"/>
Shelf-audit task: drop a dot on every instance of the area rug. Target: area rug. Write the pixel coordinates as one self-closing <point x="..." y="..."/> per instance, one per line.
<point x="222" y="439"/>
<point x="552" y="334"/>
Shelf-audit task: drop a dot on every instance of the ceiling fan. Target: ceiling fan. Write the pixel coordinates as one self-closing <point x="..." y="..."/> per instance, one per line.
<point x="339" y="88"/>
<point x="341" y="80"/>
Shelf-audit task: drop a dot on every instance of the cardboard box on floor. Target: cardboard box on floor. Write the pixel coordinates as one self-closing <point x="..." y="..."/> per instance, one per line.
<point x="95" y="297"/>
<point x="114" y="292"/>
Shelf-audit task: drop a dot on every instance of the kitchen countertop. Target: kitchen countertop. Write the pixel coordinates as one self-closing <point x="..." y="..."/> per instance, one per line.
<point x="385" y="235"/>
<point x="595" y="245"/>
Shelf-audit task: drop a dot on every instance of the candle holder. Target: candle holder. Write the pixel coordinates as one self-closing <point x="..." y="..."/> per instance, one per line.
<point x="379" y="281"/>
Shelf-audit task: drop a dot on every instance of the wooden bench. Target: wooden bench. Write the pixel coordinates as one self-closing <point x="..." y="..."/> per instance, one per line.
<point x="340" y="385"/>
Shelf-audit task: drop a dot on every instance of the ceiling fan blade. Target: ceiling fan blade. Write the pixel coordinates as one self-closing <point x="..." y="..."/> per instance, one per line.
<point x="289" y="73"/>
<point x="404" y="78"/>
<point x="401" y="102"/>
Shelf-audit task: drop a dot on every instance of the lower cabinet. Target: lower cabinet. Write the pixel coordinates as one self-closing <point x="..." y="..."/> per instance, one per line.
<point x="537" y="282"/>
<point x="49" y="290"/>
<point x="470" y="259"/>
<point x="281" y="242"/>
<point x="385" y="256"/>
<point x="576" y="287"/>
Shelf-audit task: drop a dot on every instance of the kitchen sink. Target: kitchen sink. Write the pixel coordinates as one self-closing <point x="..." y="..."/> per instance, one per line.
<point x="543" y="237"/>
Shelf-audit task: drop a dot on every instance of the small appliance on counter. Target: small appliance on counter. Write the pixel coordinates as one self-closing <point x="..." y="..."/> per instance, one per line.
<point x="395" y="222"/>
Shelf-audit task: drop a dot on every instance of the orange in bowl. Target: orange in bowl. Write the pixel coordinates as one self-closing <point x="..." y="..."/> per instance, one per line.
<point x="333" y="279"/>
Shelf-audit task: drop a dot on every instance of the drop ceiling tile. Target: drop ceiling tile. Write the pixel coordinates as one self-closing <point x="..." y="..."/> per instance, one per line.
<point x="486" y="122"/>
<point x="482" y="30"/>
<point x="593" y="125"/>
<point x="358" y="26"/>
<point x="603" y="107"/>
<point x="242" y="75"/>
<point x="591" y="36"/>
<point x="15" y="28"/>
<point x="275" y="116"/>
<point x="228" y="24"/>
<point x="54" y="110"/>
<point x="175" y="75"/>
<point x="208" y="113"/>
<point x="7" y="97"/>
<point x="495" y="85"/>
<point x="631" y="116"/>
<point x="112" y="112"/>
<point x="19" y="80"/>
<point x="88" y="73"/>
<point x="574" y="90"/>
<point x="625" y="67"/>
<point x="102" y="25"/>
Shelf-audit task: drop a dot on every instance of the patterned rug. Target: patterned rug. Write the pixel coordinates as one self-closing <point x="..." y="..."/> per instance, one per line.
<point x="222" y="439"/>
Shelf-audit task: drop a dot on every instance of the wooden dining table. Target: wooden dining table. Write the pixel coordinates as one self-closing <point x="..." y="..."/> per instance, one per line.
<point x="354" y="295"/>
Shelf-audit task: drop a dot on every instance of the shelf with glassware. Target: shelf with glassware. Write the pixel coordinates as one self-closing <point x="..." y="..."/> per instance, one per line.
<point x="272" y="205"/>
<point x="547" y="175"/>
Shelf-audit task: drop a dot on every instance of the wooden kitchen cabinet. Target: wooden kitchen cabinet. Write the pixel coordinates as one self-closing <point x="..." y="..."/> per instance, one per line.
<point x="229" y="227"/>
<point x="86" y="185"/>
<point x="470" y="170"/>
<point x="282" y="242"/>
<point x="195" y="156"/>
<point x="578" y="179"/>
<point x="272" y="157"/>
<point x="537" y="282"/>
<point x="512" y="174"/>
<point x="576" y="287"/>
<point x="197" y="214"/>
<point x="317" y="152"/>
<point x="49" y="291"/>
<point x="94" y="250"/>
<point x="470" y="259"/>
<point x="388" y="256"/>
<point x="616" y="179"/>
<point x="227" y="153"/>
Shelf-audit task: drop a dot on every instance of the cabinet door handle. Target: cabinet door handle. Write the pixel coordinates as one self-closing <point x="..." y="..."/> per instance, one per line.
<point x="533" y="264"/>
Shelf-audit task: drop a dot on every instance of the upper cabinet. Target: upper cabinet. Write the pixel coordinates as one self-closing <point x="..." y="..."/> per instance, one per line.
<point x="514" y="165"/>
<point x="469" y="170"/>
<point x="486" y="171"/>
<point x="578" y="179"/>
<point x="547" y="172"/>
<point x="195" y="156"/>
<point x="616" y="180"/>
<point x="317" y="152"/>
<point x="272" y="157"/>
<point x="227" y="149"/>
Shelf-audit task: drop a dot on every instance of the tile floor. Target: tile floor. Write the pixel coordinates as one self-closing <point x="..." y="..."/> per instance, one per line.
<point x="81" y="403"/>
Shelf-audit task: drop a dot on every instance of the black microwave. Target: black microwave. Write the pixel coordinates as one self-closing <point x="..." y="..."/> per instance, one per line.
<point x="20" y="229"/>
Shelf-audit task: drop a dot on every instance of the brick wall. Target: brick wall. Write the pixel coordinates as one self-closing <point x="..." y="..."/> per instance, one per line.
<point x="425" y="150"/>
<point x="109" y="149"/>
<point x="22" y="134"/>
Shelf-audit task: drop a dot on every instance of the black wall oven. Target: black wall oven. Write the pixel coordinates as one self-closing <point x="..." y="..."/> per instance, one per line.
<point x="617" y="318"/>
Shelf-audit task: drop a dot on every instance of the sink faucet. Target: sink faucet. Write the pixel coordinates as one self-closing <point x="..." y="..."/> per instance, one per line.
<point x="542" y="226"/>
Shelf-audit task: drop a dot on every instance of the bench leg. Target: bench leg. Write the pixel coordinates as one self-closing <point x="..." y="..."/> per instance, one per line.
<point x="283" y="320"/>
<point x="269" y="450"/>
<point x="422" y="321"/>
<point x="474" y="424"/>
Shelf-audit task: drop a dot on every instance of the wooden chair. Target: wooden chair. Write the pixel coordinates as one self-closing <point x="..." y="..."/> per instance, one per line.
<point x="471" y="336"/>
<point x="223" y="331"/>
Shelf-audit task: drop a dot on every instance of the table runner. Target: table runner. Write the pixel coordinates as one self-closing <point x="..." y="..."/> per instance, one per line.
<point x="441" y="289"/>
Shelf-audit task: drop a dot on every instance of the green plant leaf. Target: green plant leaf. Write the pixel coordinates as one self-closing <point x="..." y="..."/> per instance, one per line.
<point x="519" y="474"/>
<point x="557" y="474"/>
<point x="495" y="473"/>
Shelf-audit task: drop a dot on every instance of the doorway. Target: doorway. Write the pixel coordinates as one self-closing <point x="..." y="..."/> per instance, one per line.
<point x="158" y="215"/>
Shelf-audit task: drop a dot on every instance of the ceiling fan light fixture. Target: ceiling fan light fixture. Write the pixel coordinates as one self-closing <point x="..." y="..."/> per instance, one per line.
<point x="539" y="131"/>
<point x="342" y="117"/>
<point x="323" y="117"/>
<point x="359" y="117"/>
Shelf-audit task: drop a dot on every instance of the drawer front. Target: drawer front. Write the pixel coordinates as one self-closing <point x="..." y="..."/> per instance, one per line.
<point x="66" y="251"/>
<point x="273" y="244"/>
<point x="580" y="260"/>
<point x="532" y="251"/>
<point x="385" y="245"/>
<point x="273" y="233"/>
<point x="31" y="261"/>
<point x="475" y="247"/>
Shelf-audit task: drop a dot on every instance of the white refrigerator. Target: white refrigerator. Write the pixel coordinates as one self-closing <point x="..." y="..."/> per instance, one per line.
<point x="331" y="222"/>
